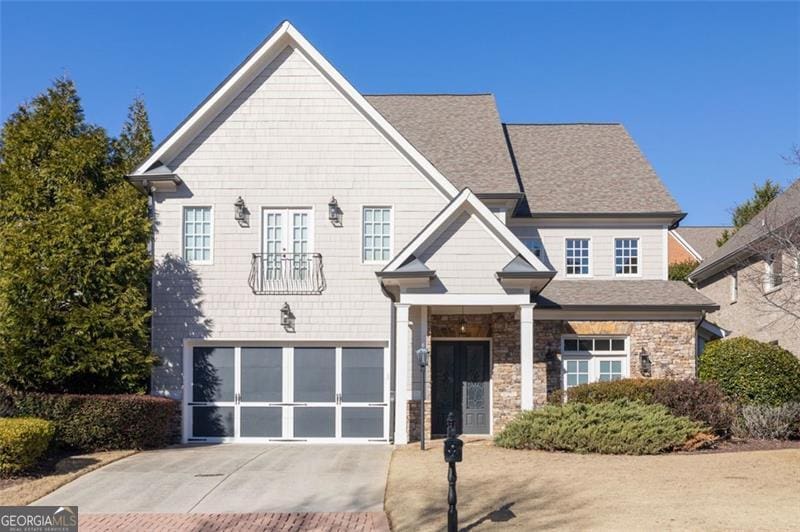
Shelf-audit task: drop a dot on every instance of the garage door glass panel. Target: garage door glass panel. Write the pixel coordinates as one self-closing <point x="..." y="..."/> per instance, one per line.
<point x="212" y="374"/>
<point x="262" y="374"/>
<point x="314" y="374"/>
<point x="362" y="422"/>
<point x="212" y="421"/>
<point x="315" y="422"/>
<point x="362" y="375"/>
<point x="261" y="421"/>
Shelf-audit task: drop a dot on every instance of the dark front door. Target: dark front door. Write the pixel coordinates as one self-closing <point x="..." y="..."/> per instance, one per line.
<point x="460" y="384"/>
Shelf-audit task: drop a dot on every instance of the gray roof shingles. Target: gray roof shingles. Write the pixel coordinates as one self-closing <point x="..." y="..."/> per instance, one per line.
<point x="783" y="210"/>
<point x="461" y="135"/>
<point x="586" y="168"/>
<point x="703" y="239"/>
<point x="626" y="293"/>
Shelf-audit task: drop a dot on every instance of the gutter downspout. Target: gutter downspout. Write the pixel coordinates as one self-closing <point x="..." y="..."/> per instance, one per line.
<point x="392" y="359"/>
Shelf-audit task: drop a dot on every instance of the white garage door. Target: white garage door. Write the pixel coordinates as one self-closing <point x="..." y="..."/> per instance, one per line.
<point x="272" y="394"/>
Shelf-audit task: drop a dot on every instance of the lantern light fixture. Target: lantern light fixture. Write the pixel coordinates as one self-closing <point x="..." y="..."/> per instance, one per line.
<point x="334" y="212"/>
<point x="645" y="364"/>
<point x="241" y="213"/>
<point x="287" y="318"/>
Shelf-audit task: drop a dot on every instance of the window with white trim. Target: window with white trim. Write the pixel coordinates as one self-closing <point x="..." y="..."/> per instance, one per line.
<point x="535" y="245"/>
<point x="197" y="234"/>
<point x="626" y="256"/>
<point x="593" y="358"/>
<point x="377" y="234"/>
<point x="773" y="274"/>
<point x="577" y="256"/>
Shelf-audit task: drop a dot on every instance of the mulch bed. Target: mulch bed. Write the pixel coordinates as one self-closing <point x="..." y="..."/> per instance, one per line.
<point x="736" y="445"/>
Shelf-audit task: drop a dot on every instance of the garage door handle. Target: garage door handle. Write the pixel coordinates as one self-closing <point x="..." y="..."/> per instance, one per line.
<point x="288" y="404"/>
<point x="376" y="404"/>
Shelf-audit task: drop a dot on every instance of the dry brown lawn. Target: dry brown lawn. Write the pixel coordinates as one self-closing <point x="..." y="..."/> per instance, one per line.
<point x="24" y="490"/>
<point x="526" y="490"/>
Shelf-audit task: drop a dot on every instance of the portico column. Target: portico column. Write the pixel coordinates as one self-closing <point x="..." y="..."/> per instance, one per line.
<point x="402" y="360"/>
<point x="526" y="354"/>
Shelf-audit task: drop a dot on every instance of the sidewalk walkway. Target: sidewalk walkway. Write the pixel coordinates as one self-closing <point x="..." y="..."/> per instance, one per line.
<point x="284" y="522"/>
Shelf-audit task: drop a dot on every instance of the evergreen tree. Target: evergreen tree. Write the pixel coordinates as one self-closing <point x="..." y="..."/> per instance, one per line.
<point x="744" y="212"/>
<point x="74" y="267"/>
<point x="136" y="140"/>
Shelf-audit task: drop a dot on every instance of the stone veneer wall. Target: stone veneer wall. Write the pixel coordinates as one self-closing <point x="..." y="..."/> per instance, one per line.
<point x="671" y="345"/>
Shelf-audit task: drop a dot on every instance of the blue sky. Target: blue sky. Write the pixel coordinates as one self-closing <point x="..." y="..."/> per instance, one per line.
<point x="710" y="91"/>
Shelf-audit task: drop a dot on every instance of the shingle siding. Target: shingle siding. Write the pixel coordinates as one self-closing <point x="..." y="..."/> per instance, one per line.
<point x="289" y="140"/>
<point x="465" y="257"/>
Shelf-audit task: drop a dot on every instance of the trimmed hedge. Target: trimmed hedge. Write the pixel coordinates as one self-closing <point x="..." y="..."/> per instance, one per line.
<point x="701" y="401"/>
<point x="752" y="372"/>
<point x="22" y="441"/>
<point x="619" y="427"/>
<point x="91" y="423"/>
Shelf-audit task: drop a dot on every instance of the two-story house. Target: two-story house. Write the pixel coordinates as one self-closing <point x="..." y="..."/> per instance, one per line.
<point x="754" y="277"/>
<point x="312" y="244"/>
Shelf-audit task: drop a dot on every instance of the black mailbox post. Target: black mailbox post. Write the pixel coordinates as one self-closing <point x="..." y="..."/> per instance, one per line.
<point x="453" y="452"/>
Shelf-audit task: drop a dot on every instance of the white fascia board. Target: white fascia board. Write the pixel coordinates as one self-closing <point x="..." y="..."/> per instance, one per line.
<point x="686" y="245"/>
<point x="464" y="300"/>
<point x="466" y="200"/>
<point x="287" y="35"/>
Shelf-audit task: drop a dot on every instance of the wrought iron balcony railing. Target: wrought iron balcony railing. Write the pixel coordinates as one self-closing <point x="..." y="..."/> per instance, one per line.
<point x="287" y="273"/>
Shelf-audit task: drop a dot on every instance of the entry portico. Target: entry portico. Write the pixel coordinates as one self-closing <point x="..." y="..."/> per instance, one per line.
<point x="462" y="289"/>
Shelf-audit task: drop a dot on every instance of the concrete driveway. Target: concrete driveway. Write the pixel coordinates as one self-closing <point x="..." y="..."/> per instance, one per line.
<point x="235" y="478"/>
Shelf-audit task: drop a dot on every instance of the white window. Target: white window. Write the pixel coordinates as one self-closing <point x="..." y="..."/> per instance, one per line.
<point x="773" y="274"/>
<point x="591" y="359"/>
<point x="577" y="256"/>
<point x="197" y="234"/>
<point x="535" y="245"/>
<point x="734" y="286"/>
<point x="626" y="256"/>
<point x="287" y="243"/>
<point x="377" y="234"/>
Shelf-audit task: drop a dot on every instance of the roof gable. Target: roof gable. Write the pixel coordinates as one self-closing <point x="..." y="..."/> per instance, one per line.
<point x="700" y="241"/>
<point x="465" y="202"/>
<point x="286" y="35"/>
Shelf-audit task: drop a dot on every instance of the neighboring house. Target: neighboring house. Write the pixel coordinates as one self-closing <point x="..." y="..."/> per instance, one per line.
<point x="693" y="243"/>
<point x="309" y="240"/>
<point x="755" y="276"/>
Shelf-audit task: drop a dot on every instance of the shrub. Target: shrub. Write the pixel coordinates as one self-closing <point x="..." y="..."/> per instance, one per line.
<point x="100" y="422"/>
<point x="22" y="441"/>
<point x="768" y="422"/>
<point x="751" y="371"/>
<point x="619" y="427"/>
<point x="700" y="401"/>
<point x="680" y="270"/>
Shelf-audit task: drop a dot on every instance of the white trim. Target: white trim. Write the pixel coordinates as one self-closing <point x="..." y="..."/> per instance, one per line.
<point x="590" y="258"/>
<point x="594" y="357"/>
<point x="183" y="234"/>
<point x="391" y="232"/>
<point x="682" y="241"/>
<point x="403" y="338"/>
<point x="526" y="346"/>
<point x="287" y="35"/>
<point x="638" y="256"/>
<point x="466" y="299"/>
<point x="491" y="376"/>
<point x="495" y="227"/>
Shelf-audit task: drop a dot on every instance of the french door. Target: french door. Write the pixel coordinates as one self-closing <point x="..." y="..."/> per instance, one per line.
<point x="288" y="394"/>
<point x="288" y="242"/>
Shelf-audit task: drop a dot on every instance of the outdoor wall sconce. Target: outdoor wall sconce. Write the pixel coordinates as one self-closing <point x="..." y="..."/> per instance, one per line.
<point x="334" y="212"/>
<point x="287" y="318"/>
<point x="241" y="214"/>
<point x="645" y="364"/>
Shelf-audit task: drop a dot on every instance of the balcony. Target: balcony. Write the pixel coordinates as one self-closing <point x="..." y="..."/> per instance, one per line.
<point x="286" y="273"/>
